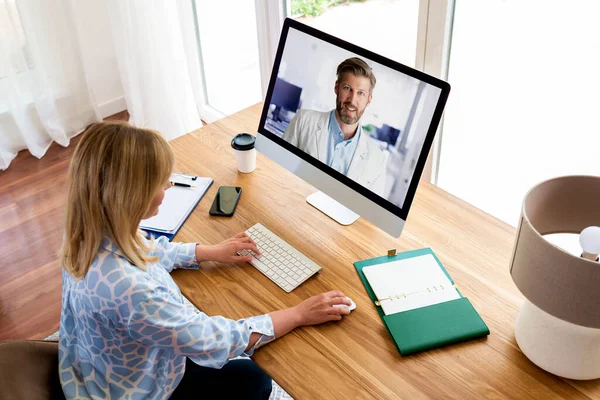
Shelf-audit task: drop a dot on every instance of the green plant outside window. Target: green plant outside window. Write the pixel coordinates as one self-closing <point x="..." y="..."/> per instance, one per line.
<point x="313" y="8"/>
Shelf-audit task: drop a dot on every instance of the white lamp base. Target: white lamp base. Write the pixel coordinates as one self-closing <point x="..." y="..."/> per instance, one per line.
<point x="557" y="346"/>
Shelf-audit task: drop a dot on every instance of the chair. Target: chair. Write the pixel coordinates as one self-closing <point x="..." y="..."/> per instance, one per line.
<point x="29" y="370"/>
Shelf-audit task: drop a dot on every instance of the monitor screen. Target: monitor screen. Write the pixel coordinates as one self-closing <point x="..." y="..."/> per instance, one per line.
<point x="364" y="120"/>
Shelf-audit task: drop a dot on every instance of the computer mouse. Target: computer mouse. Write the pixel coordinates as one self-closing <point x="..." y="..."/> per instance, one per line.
<point x="350" y="307"/>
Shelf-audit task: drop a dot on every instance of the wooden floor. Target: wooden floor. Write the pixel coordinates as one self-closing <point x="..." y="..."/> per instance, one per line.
<point x="32" y="197"/>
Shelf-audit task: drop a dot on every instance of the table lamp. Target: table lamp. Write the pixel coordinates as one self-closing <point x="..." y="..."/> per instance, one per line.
<point x="558" y="326"/>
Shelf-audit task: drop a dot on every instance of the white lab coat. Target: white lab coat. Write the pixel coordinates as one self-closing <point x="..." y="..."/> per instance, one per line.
<point x="309" y="131"/>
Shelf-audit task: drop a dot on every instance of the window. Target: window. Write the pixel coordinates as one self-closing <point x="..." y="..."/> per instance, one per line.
<point x="524" y="101"/>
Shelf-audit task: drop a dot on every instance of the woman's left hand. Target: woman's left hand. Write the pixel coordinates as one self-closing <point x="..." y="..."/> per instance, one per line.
<point x="226" y="252"/>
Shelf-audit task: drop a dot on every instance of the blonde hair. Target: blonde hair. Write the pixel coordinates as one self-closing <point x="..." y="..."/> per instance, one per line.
<point x="116" y="171"/>
<point x="357" y="67"/>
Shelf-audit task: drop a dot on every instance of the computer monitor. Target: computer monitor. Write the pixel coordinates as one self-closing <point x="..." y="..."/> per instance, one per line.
<point x="364" y="128"/>
<point x="285" y="97"/>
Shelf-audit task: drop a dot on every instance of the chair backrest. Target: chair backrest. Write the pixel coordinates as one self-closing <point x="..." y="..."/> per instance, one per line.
<point x="29" y="370"/>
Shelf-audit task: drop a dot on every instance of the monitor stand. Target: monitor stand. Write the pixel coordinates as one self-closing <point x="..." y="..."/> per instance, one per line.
<point x="332" y="208"/>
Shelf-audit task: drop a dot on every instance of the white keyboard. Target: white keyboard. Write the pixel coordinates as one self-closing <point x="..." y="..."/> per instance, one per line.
<point x="279" y="261"/>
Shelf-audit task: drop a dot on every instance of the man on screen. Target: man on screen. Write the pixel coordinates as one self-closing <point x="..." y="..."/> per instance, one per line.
<point x="335" y="137"/>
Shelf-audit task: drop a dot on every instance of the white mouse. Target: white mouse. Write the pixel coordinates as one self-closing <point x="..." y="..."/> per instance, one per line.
<point x="350" y="307"/>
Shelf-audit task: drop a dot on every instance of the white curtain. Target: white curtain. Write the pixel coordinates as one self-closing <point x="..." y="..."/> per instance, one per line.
<point x="44" y="96"/>
<point x="157" y="54"/>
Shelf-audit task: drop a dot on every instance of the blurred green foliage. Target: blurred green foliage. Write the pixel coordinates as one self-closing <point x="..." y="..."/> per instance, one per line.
<point x="370" y="129"/>
<point x="314" y="8"/>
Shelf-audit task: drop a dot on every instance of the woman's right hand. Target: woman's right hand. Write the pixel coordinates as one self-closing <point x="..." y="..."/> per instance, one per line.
<point x="312" y="311"/>
<point x="320" y="308"/>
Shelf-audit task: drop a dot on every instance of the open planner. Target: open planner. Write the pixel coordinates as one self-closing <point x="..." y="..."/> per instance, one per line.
<point x="178" y="204"/>
<point x="418" y="301"/>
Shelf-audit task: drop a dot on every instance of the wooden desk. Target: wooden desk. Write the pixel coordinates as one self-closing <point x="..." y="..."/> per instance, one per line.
<point x="356" y="358"/>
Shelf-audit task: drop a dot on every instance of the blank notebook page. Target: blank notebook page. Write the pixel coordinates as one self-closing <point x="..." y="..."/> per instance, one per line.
<point x="418" y="281"/>
<point x="177" y="204"/>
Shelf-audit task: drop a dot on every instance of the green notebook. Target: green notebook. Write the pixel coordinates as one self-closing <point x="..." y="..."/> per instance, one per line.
<point x="418" y="301"/>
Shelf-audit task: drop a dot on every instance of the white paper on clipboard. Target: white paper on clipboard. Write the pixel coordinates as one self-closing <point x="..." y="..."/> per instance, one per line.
<point x="178" y="203"/>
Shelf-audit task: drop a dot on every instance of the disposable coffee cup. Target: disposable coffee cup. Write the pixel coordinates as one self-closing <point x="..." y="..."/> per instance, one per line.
<point x="245" y="153"/>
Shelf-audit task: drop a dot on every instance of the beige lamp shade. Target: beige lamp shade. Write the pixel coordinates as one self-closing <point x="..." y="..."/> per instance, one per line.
<point x="562" y="284"/>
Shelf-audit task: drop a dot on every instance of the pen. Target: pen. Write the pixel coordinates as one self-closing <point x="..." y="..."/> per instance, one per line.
<point x="192" y="177"/>
<point x="182" y="184"/>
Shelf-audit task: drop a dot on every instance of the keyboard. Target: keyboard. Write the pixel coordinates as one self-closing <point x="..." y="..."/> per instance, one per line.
<point x="279" y="261"/>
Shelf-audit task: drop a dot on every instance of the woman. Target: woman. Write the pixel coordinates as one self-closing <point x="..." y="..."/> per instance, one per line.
<point x="125" y="329"/>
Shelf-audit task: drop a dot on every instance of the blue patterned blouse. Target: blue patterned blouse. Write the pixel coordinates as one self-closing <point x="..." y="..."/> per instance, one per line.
<point x="125" y="332"/>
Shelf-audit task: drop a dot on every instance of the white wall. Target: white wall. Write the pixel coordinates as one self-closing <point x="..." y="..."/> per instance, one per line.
<point x="100" y="63"/>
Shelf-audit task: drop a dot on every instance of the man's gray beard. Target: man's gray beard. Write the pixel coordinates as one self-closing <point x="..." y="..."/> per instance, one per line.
<point x="339" y="108"/>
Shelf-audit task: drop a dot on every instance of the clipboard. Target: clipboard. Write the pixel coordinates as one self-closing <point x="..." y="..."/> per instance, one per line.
<point x="178" y="204"/>
<point x="431" y="326"/>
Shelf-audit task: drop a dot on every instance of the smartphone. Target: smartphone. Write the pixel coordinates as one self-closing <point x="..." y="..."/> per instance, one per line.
<point x="225" y="201"/>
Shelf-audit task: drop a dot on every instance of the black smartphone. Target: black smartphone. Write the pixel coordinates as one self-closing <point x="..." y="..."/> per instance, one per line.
<point x="225" y="201"/>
